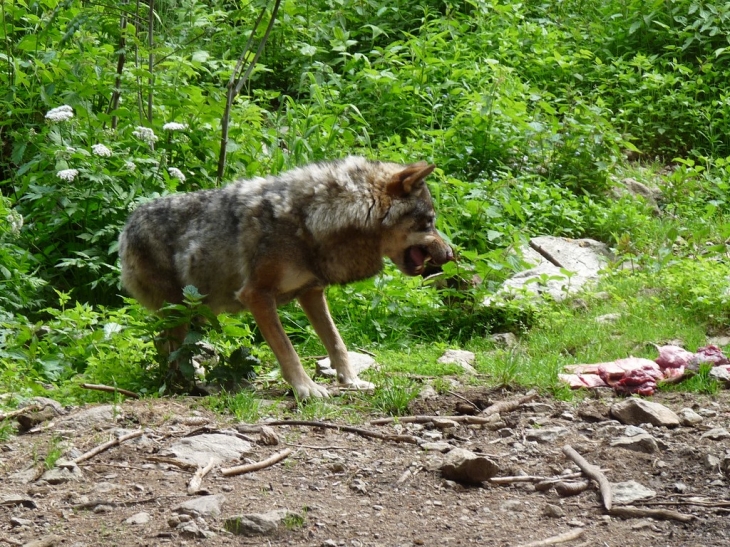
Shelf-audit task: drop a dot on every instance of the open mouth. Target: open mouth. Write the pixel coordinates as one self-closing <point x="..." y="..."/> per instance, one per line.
<point x="415" y="259"/>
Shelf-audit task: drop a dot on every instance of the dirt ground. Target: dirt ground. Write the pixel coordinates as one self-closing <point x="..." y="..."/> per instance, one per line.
<point x="357" y="491"/>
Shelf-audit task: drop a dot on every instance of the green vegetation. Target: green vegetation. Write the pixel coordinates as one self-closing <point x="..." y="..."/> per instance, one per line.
<point x="533" y="112"/>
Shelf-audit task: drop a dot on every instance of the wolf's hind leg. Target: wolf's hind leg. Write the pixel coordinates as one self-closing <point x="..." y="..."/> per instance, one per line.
<point x="262" y="306"/>
<point x="314" y="304"/>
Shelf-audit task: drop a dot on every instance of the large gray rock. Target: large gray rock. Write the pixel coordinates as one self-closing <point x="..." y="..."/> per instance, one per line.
<point x="462" y="358"/>
<point x="204" y="506"/>
<point x="254" y="524"/>
<point x="103" y="416"/>
<point x="199" y="450"/>
<point x="546" y="435"/>
<point x="462" y="465"/>
<point x="635" y="411"/>
<point x="630" y="491"/>
<point x="583" y="258"/>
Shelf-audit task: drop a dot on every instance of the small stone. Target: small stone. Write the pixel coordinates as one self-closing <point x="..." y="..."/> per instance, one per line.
<point x="258" y="523"/>
<point x="707" y="413"/>
<point x="444" y="423"/>
<point x="189" y="530"/>
<point x="639" y="443"/>
<point x="553" y="511"/>
<point x="139" y="518"/>
<point x="511" y="506"/>
<point x="504" y="339"/>
<point x="203" y="505"/>
<point x="680" y="487"/>
<point x="630" y="491"/>
<point x="464" y="466"/>
<point x="546" y="434"/>
<point x="464" y="359"/>
<point x="428" y="392"/>
<point x="17" y="521"/>
<point x="689" y="418"/>
<point x="634" y="411"/>
<point x="440" y="446"/>
<point x="717" y="434"/>
<point x="711" y="462"/>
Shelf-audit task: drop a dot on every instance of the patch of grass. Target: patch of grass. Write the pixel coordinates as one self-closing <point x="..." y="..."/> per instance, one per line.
<point x="701" y="382"/>
<point x="295" y="521"/>
<point x="54" y="453"/>
<point x="6" y="430"/>
<point x="245" y="406"/>
<point x="393" y="395"/>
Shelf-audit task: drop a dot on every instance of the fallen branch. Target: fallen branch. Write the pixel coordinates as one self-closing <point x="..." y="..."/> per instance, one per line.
<point x="630" y="511"/>
<point x="349" y="429"/>
<point x="197" y="480"/>
<point x="14" y="413"/>
<point x="10" y="541"/>
<point x="510" y="404"/>
<point x="240" y="469"/>
<point x="47" y="541"/>
<point x="102" y="447"/>
<point x="110" y="389"/>
<point x="554" y="540"/>
<point x="532" y="478"/>
<point x="422" y="419"/>
<point x="592" y="472"/>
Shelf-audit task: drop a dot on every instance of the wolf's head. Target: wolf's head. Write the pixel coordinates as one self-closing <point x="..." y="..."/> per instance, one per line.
<point x="410" y="238"/>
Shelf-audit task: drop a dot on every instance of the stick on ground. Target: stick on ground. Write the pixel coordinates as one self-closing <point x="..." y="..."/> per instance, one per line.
<point x="629" y="511"/>
<point x="240" y="469"/>
<point x="110" y="389"/>
<point x="349" y="429"/>
<point x="26" y="410"/>
<point x="197" y="480"/>
<point x="592" y="472"/>
<point x="554" y="540"/>
<point x="509" y="405"/>
<point x="102" y="447"/>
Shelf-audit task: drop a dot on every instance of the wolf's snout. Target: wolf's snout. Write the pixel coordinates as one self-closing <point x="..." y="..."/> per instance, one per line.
<point x="440" y="253"/>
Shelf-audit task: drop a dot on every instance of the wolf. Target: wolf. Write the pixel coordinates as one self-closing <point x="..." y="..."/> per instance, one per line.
<point x="257" y="244"/>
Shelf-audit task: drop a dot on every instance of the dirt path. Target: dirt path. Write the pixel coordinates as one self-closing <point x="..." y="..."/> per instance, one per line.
<point x="346" y="490"/>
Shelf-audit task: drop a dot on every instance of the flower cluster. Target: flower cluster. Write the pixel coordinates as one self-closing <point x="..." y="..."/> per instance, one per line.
<point x="101" y="150"/>
<point x="15" y="220"/>
<point x="145" y="133"/>
<point x="60" y="113"/>
<point x="175" y="126"/>
<point x="176" y="173"/>
<point x="67" y="174"/>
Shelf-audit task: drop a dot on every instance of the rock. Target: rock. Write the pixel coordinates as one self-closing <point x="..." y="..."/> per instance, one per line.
<point x="44" y="402"/>
<point x="102" y="417"/>
<point x="139" y="518"/>
<point x="719" y="341"/>
<point x="358" y="362"/>
<point x="630" y="491"/>
<point x="189" y="530"/>
<point x="638" y="443"/>
<point x="545" y="435"/>
<point x="15" y="500"/>
<point x="428" y="392"/>
<point x="444" y="423"/>
<point x="689" y="417"/>
<point x="439" y="446"/>
<point x="17" y="521"/>
<point x="711" y="462"/>
<point x="504" y="339"/>
<point x="206" y="506"/>
<point x="464" y="466"/>
<point x="61" y="475"/>
<point x="721" y="373"/>
<point x="464" y="359"/>
<point x="634" y="411"/>
<point x="716" y="434"/>
<point x="553" y="511"/>
<point x="608" y="318"/>
<point x="198" y="450"/>
<point x="258" y="523"/>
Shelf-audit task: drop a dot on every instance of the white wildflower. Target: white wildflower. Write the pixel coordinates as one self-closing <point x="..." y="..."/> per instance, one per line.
<point x="130" y="166"/>
<point x="70" y="149"/>
<point x="145" y="133"/>
<point x="101" y="150"/>
<point x="174" y="126"/>
<point x="176" y="173"/>
<point x="15" y="220"/>
<point x="60" y="113"/>
<point x="67" y="174"/>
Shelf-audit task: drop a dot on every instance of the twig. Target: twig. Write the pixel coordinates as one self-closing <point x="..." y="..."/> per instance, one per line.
<point x="110" y="389"/>
<point x="532" y="478"/>
<point x="510" y="404"/>
<point x="47" y="541"/>
<point x="349" y="429"/>
<point x="421" y="419"/>
<point x="463" y="399"/>
<point x="197" y="479"/>
<point x="629" y="511"/>
<point x="554" y="540"/>
<point x="102" y="447"/>
<point x="330" y="447"/>
<point x="238" y="470"/>
<point x="172" y="461"/>
<point x="697" y="503"/>
<point x="24" y="410"/>
<point x="592" y="472"/>
<point x="10" y="541"/>
<point x="95" y="503"/>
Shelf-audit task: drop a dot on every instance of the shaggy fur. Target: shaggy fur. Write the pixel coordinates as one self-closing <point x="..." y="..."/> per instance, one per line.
<point x="256" y="244"/>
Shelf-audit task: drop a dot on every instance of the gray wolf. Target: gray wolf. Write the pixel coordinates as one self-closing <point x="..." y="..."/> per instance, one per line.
<point x="257" y="244"/>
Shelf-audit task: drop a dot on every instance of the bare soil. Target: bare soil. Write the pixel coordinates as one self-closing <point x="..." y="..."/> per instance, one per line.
<point x="355" y="491"/>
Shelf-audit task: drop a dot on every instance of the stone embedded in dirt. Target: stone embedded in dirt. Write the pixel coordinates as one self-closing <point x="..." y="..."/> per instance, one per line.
<point x="190" y="530"/>
<point x="689" y="417"/>
<point x="206" y="506"/>
<point x="545" y="435"/>
<point x="716" y="434"/>
<point x="44" y="402"/>
<point x="465" y="359"/>
<point x="439" y="446"/>
<point x="24" y="476"/>
<point x="538" y="407"/>
<point x="10" y="501"/>
<point x="462" y="465"/>
<point x="63" y="472"/>
<point x="139" y="518"/>
<point x="504" y="339"/>
<point x="428" y="392"/>
<point x="721" y="373"/>
<point x="254" y="524"/>
<point x="199" y="450"/>
<point x="17" y="521"/>
<point x="444" y="423"/>
<point x="630" y="491"/>
<point x="635" y="411"/>
<point x="553" y="511"/>
<point x="358" y="362"/>
<point x="359" y="486"/>
<point x="638" y="443"/>
<point x="104" y="417"/>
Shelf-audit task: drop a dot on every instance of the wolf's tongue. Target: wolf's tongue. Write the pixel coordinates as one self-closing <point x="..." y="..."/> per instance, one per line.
<point x="418" y="256"/>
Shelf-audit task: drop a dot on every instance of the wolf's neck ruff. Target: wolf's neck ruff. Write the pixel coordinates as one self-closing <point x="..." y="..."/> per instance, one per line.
<point x="257" y="243"/>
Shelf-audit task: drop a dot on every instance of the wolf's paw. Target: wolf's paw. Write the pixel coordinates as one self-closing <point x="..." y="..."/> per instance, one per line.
<point x="308" y="389"/>
<point x="358" y="384"/>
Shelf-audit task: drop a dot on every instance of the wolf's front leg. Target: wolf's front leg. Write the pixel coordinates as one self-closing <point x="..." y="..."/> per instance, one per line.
<point x="314" y="304"/>
<point x="262" y="306"/>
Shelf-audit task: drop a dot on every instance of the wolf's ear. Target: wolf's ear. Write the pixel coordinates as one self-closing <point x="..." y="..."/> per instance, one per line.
<point x="409" y="179"/>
